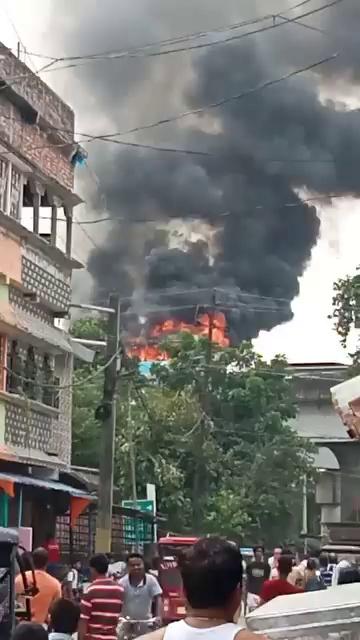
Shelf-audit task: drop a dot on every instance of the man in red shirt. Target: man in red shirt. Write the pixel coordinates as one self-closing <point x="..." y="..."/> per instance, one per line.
<point x="101" y="604"/>
<point x="53" y="548"/>
<point x="280" y="586"/>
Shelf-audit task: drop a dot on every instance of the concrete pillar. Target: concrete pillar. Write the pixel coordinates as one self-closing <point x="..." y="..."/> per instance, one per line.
<point x="68" y="210"/>
<point x="37" y="190"/>
<point x="56" y="203"/>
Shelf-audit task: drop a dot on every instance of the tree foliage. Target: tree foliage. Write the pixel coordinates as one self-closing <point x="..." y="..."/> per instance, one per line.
<point x="346" y="305"/>
<point x="212" y="429"/>
<point x="346" y="313"/>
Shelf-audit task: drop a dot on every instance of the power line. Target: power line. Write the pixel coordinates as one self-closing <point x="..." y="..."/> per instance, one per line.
<point x="197" y="111"/>
<point x="12" y="23"/>
<point x="171" y="150"/>
<point x="218" y="103"/>
<point x="228" y="290"/>
<point x="139" y="52"/>
<point x="326" y="196"/>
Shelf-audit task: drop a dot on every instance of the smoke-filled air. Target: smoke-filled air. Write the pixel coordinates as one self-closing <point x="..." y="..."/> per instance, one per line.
<point x="237" y="211"/>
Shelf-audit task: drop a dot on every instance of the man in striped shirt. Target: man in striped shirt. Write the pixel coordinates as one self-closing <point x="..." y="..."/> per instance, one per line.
<point x="101" y="604"/>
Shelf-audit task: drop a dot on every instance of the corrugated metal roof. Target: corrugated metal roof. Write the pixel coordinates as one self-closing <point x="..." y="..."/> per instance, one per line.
<point x="45" y="484"/>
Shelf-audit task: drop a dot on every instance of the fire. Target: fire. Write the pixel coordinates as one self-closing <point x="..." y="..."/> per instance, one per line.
<point x="171" y="326"/>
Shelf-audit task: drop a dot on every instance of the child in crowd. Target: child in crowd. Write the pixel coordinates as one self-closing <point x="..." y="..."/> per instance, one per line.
<point x="64" y="619"/>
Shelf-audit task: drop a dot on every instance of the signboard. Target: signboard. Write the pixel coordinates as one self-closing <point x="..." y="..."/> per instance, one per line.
<point x="26" y="537"/>
<point x="137" y="531"/>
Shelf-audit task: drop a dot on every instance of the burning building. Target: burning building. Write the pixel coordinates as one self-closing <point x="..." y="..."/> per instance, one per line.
<point x="213" y="181"/>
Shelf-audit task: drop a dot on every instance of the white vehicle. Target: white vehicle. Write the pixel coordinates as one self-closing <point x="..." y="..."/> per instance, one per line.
<point x="333" y="614"/>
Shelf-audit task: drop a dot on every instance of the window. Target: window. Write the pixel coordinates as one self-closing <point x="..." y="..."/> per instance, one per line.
<point x="16" y="193"/>
<point x="14" y="366"/>
<point x="48" y="395"/>
<point x="30" y="374"/>
<point x="3" y="174"/>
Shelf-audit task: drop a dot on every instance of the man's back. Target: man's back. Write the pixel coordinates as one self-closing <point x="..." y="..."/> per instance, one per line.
<point x="101" y="607"/>
<point x="182" y="631"/>
<point x="49" y="591"/>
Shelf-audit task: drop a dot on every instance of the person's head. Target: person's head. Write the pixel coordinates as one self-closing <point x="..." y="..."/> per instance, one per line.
<point x="99" y="565"/>
<point x="311" y="566"/>
<point x="40" y="558"/>
<point x="77" y="565"/>
<point x="30" y="631"/>
<point x="212" y="576"/>
<point x="285" y="565"/>
<point x="333" y="558"/>
<point x="323" y="560"/>
<point x="65" y="616"/>
<point x="136" y="566"/>
<point x="277" y="553"/>
<point x="259" y="553"/>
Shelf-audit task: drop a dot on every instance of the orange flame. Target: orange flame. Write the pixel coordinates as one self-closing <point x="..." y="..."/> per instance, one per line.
<point x="171" y="326"/>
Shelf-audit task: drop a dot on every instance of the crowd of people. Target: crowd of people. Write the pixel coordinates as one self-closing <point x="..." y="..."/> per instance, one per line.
<point x="284" y="573"/>
<point x="57" y="609"/>
<point x="212" y="574"/>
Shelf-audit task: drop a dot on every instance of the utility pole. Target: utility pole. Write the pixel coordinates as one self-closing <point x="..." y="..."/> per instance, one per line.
<point x="106" y="413"/>
<point x="132" y="458"/>
<point x="199" y="485"/>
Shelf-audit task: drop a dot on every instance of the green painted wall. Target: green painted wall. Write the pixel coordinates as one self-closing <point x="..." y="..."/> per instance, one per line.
<point x="4" y="509"/>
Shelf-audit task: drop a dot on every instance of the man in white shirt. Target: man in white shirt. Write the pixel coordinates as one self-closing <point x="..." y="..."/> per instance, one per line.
<point x="273" y="562"/>
<point x="141" y="591"/>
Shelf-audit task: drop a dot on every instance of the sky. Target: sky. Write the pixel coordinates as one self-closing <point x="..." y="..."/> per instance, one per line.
<point x="309" y="337"/>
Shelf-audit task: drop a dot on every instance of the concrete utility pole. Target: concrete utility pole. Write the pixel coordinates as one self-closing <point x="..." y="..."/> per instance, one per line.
<point x="200" y="475"/>
<point x="106" y="413"/>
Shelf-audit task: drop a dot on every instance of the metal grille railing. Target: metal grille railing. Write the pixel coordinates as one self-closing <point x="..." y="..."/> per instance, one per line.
<point x="130" y="530"/>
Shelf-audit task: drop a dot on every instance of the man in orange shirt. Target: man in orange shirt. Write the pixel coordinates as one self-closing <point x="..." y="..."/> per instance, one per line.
<point x="49" y="588"/>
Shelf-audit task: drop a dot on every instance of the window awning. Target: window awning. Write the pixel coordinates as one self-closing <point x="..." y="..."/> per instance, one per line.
<point x="51" y="485"/>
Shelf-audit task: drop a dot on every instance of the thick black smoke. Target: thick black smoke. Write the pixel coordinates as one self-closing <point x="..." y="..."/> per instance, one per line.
<point x="263" y="150"/>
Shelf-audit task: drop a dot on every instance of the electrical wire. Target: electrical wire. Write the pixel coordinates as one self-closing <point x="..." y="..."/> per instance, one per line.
<point x="223" y="289"/>
<point x="326" y="196"/>
<point x="17" y="34"/>
<point x="139" y="52"/>
<point x="171" y="150"/>
<point x="174" y="40"/>
<point x="217" y="104"/>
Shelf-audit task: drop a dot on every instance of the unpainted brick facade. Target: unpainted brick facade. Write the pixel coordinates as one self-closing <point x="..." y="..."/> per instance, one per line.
<point x="37" y="128"/>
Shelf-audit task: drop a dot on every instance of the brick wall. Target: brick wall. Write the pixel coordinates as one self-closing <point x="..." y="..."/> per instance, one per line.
<point x="34" y="144"/>
<point x="36" y="92"/>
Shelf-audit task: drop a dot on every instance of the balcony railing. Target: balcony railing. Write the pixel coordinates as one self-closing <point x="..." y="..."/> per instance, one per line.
<point x="26" y="377"/>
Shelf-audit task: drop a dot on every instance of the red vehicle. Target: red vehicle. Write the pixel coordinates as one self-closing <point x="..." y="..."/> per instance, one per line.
<point x="170" y="578"/>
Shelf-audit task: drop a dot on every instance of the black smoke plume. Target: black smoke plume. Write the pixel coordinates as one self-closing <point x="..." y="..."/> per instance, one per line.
<point x="264" y="152"/>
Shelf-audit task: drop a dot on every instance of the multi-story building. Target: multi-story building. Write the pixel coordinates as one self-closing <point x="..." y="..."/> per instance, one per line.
<point x="37" y="159"/>
<point x="338" y="457"/>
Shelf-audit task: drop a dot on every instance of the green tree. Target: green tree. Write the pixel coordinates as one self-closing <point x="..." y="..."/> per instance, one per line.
<point x="346" y="313"/>
<point x="212" y="429"/>
<point x="254" y="460"/>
